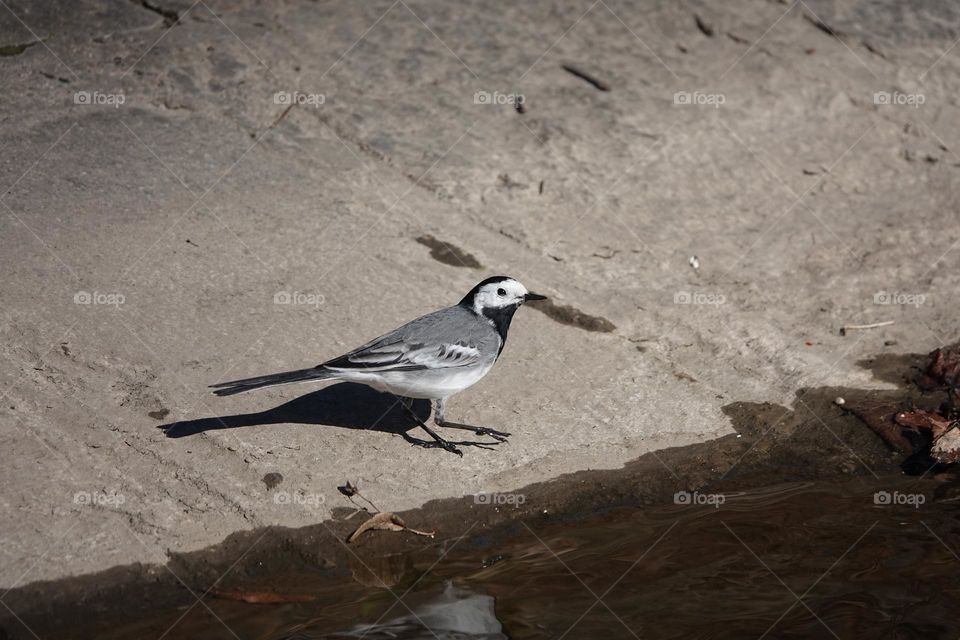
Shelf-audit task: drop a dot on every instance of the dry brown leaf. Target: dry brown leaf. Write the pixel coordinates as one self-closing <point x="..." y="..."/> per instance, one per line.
<point x="385" y="521"/>
<point x="382" y="521"/>
<point x="919" y="419"/>
<point x="348" y="489"/>
<point x="943" y="370"/>
<point x="946" y="448"/>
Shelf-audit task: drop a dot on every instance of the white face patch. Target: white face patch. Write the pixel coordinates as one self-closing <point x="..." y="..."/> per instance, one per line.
<point x="498" y="295"/>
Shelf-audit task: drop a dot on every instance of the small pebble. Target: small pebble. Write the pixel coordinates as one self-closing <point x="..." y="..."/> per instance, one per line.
<point x="839" y="401"/>
<point x="695" y="263"/>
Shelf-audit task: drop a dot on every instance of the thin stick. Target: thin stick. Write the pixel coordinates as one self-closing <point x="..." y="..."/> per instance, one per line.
<point x="282" y="115"/>
<point x="583" y="75"/>
<point x="375" y="507"/>
<point x="849" y="327"/>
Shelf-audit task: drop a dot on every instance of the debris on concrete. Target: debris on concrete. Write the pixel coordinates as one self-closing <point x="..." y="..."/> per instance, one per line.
<point x="385" y="521"/>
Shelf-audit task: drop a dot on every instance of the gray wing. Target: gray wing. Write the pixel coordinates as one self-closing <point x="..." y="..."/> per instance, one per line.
<point x="449" y="338"/>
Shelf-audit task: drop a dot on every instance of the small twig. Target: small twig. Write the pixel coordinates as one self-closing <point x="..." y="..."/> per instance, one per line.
<point x="282" y="115"/>
<point x="704" y="27"/>
<point x="874" y="325"/>
<point x="583" y="75"/>
<point x="823" y="26"/>
<point x="349" y="490"/>
<point x="375" y="507"/>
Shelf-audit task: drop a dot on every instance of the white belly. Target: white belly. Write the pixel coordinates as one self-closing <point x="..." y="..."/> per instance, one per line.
<point x="429" y="384"/>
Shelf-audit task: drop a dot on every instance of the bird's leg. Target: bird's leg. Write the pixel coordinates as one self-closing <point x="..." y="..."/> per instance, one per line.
<point x="441" y="421"/>
<point x="438" y="441"/>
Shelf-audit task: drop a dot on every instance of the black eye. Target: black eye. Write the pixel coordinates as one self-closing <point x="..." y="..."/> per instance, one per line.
<point x="501" y="292"/>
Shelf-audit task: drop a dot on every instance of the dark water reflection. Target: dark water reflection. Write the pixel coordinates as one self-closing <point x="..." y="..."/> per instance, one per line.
<point x="801" y="560"/>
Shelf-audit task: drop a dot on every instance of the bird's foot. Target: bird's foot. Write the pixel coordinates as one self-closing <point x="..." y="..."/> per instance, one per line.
<point x="499" y="436"/>
<point x="438" y="444"/>
<point x="450" y="446"/>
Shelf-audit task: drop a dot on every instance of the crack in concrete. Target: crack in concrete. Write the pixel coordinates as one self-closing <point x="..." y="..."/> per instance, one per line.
<point x="170" y="16"/>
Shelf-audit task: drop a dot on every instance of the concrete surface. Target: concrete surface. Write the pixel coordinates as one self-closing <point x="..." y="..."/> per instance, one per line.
<point x="181" y="214"/>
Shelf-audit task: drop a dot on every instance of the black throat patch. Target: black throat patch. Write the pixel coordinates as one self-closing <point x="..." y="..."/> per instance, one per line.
<point x="501" y="317"/>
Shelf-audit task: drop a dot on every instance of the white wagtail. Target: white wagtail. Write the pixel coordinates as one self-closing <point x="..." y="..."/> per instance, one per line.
<point x="433" y="357"/>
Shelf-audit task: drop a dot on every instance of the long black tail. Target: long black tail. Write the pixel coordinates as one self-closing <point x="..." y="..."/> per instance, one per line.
<point x="249" y="384"/>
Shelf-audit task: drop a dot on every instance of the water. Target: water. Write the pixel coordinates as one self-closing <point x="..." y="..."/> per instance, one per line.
<point x="814" y="559"/>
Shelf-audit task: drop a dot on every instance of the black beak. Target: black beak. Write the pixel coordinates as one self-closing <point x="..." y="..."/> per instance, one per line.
<point x="533" y="296"/>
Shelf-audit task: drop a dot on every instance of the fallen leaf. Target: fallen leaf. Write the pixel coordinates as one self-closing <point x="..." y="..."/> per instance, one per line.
<point x="946" y="448"/>
<point x="385" y="521"/>
<point x="943" y="370"/>
<point x="348" y="489"/>
<point x="426" y="534"/>
<point x="919" y="419"/>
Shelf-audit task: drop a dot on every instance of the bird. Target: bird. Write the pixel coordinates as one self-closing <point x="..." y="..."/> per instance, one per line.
<point x="432" y="357"/>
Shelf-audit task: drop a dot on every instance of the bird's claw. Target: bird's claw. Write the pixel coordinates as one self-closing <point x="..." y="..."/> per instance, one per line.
<point x="446" y="446"/>
<point x="451" y="448"/>
<point x="499" y="436"/>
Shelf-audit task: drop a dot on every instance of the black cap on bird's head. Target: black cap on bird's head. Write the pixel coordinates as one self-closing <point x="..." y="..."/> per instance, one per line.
<point x="498" y="292"/>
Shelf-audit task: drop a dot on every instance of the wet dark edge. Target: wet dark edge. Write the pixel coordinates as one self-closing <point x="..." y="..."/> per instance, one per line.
<point x="773" y="444"/>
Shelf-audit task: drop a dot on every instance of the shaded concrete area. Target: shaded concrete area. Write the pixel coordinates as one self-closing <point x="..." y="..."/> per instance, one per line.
<point x="194" y="192"/>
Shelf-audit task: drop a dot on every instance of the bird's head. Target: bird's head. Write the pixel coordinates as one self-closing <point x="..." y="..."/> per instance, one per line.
<point x="498" y="292"/>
